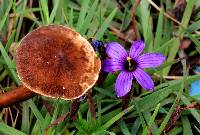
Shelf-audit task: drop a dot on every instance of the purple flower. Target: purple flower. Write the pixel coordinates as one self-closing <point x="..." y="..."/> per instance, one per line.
<point x="131" y="65"/>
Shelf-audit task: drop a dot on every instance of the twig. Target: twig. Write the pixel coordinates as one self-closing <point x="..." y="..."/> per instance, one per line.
<point x="168" y="15"/>
<point x="133" y="9"/>
<point x="119" y="34"/>
<point x="176" y="114"/>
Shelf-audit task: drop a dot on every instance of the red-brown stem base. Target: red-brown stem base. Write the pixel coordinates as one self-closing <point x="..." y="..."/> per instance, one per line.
<point x="125" y="101"/>
<point x="16" y="95"/>
<point x="91" y="105"/>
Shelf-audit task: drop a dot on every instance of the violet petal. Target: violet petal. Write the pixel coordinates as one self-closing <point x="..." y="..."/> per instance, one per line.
<point x="150" y="60"/>
<point x="116" y="51"/>
<point x="123" y="83"/>
<point x="112" y="65"/>
<point x="143" y="79"/>
<point x="136" y="48"/>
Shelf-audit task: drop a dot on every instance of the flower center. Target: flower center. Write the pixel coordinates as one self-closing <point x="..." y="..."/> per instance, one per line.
<point x="130" y="64"/>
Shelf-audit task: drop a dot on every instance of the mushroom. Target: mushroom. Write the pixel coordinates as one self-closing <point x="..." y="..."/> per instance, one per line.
<point x="54" y="61"/>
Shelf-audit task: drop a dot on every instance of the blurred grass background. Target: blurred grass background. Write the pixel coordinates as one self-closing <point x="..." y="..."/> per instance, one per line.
<point x="169" y="27"/>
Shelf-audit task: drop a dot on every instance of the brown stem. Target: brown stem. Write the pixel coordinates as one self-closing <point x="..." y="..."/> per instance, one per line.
<point x="18" y="94"/>
<point x="125" y="101"/>
<point x="91" y="105"/>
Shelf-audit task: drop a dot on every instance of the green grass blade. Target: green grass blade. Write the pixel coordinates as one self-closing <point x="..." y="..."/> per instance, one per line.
<point x="143" y="13"/>
<point x="82" y="14"/>
<point x="166" y="119"/>
<point x="172" y="53"/>
<point x="186" y="17"/>
<point x="44" y="11"/>
<point x="165" y="46"/>
<point x="152" y="119"/>
<point x="159" y="29"/>
<point x="185" y="20"/>
<point x="53" y="13"/>
<point x="37" y="113"/>
<point x="7" y="130"/>
<point x="25" y="127"/>
<point x="116" y="118"/>
<point x="10" y="41"/>
<point x="9" y="64"/>
<point x="136" y="126"/>
<point x="105" y="25"/>
<point x="89" y="17"/>
<point x="71" y="17"/>
<point x="160" y="95"/>
<point x="124" y="128"/>
<point x="104" y="92"/>
<point x="194" y="26"/>
<point x="195" y="41"/>
<point x="198" y="130"/>
<point x="19" y="24"/>
<point x="5" y="16"/>
<point x="179" y="95"/>
<point x="186" y="126"/>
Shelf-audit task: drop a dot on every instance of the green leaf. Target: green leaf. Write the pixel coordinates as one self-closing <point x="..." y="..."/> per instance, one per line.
<point x="195" y="41"/>
<point x="9" y="130"/>
<point x="105" y="25"/>
<point x="143" y="103"/>
<point x="186" y="17"/>
<point x="152" y="119"/>
<point x="165" y="46"/>
<point x="10" y="65"/>
<point x="172" y="54"/>
<point x="143" y="13"/>
<point x="53" y="13"/>
<point x="197" y="129"/>
<point x="105" y="92"/>
<point x="136" y="126"/>
<point x="10" y="41"/>
<point x="124" y="128"/>
<point x="20" y="21"/>
<point x="186" y="126"/>
<point x="159" y="30"/>
<point x="5" y="16"/>
<point x="193" y="27"/>
<point x="82" y="14"/>
<point x="89" y="17"/>
<point x="44" y="11"/>
<point x="36" y="112"/>
<point x="166" y="119"/>
<point x="116" y="118"/>
<point x="25" y="118"/>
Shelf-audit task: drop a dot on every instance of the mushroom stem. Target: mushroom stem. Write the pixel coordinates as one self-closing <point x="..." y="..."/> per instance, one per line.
<point x="18" y="94"/>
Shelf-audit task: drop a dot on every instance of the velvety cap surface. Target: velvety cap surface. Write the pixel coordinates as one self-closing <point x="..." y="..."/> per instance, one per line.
<point x="58" y="62"/>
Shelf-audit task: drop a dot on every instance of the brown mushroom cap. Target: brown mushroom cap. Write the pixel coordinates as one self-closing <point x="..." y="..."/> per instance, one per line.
<point x="56" y="61"/>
